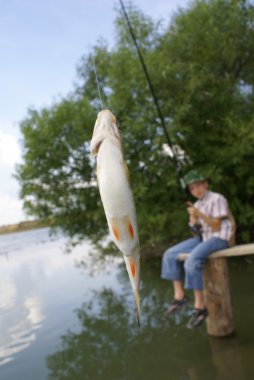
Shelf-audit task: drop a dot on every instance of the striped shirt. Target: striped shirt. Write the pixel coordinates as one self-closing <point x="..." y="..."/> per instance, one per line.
<point x="214" y="205"/>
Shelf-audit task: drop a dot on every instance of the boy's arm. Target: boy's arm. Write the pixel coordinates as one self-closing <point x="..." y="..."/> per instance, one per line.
<point x="220" y="211"/>
<point x="214" y="223"/>
<point x="192" y="220"/>
<point x="194" y="213"/>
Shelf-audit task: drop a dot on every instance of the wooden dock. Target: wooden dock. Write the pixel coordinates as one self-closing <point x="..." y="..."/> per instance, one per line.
<point x="217" y="293"/>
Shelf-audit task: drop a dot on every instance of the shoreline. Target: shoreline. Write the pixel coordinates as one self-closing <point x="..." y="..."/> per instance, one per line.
<point x="20" y="227"/>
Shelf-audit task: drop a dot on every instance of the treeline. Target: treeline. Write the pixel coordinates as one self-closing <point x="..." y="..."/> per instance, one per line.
<point x="22" y="226"/>
<point x="202" y="68"/>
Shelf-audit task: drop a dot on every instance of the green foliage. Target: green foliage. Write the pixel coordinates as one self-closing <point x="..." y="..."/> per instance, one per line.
<point x="57" y="177"/>
<point x="202" y="68"/>
<point x="209" y="77"/>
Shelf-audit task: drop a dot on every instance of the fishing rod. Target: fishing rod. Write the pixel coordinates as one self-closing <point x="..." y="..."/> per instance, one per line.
<point x="175" y="160"/>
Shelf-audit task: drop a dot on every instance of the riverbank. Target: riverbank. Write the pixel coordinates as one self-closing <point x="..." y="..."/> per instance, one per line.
<point x="22" y="226"/>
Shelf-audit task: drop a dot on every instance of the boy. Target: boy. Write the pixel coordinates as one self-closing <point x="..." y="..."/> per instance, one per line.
<point x="210" y="221"/>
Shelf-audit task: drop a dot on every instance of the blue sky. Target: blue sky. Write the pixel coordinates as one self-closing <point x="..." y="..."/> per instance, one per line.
<point x="41" y="43"/>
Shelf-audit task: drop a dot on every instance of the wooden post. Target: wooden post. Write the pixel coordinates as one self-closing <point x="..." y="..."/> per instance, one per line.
<point x="217" y="290"/>
<point x="217" y="298"/>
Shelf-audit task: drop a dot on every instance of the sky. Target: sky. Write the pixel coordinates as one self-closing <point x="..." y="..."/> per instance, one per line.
<point x="41" y="43"/>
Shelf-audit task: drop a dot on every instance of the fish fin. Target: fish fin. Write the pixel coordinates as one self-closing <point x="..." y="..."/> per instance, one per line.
<point x="115" y="229"/>
<point x="131" y="230"/>
<point x="132" y="266"/>
<point x="127" y="172"/>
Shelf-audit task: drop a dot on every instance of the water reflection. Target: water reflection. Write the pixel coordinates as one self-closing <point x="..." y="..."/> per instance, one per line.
<point x="111" y="346"/>
<point x="22" y="277"/>
<point x="226" y="356"/>
<point x="20" y="307"/>
<point x="68" y="317"/>
<point x="40" y="285"/>
<point x="19" y="332"/>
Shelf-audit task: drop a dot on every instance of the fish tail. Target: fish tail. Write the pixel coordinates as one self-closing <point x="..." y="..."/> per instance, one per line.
<point x="138" y="306"/>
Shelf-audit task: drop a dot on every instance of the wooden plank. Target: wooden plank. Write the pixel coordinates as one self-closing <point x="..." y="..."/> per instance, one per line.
<point x="237" y="250"/>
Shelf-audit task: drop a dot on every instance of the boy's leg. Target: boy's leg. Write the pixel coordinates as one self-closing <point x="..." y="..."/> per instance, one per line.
<point x="198" y="299"/>
<point x="178" y="289"/>
<point x="171" y="269"/>
<point x="195" y="261"/>
<point x="193" y="276"/>
<point x="171" y="266"/>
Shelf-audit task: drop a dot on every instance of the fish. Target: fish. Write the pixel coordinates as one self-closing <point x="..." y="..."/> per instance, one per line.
<point x="115" y="190"/>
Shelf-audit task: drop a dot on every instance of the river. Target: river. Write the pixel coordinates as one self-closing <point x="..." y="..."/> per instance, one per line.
<point x="68" y="316"/>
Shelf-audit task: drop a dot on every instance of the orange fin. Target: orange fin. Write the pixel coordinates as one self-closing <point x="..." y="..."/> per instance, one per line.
<point x="131" y="230"/>
<point x="116" y="233"/>
<point x="115" y="230"/>
<point x="133" y="269"/>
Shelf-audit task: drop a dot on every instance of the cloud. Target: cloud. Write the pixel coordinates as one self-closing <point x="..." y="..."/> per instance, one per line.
<point x="10" y="155"/>
<point x="10" y="152"/>
<point x="11" y="209"/>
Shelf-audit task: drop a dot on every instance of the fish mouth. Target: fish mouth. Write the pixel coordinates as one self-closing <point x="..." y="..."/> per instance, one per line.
<point x="96" y="148"/>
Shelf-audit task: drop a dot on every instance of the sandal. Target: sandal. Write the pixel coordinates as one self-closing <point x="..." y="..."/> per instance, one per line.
<point x="197" y="318"/>
<point x="176" y="305"/>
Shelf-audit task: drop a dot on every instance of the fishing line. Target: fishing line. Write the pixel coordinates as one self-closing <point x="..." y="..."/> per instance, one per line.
<point x="98" y="87"/>
<point x="174" y="155"/>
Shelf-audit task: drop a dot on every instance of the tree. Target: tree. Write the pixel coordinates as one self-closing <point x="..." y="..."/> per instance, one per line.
<point x="209" y="76"/>
<point x="202" y="70"/>
<point x="57" y="178"/>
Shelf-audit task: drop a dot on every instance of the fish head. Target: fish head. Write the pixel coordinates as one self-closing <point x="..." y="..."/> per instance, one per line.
<point x="105" y="128"/>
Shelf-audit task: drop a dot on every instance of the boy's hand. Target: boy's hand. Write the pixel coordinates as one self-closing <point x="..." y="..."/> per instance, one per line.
<point x="192" y="211"/>
<point x="194" y="214"/>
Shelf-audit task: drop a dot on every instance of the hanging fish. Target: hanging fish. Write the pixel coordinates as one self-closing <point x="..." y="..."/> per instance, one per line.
<point x="116" y="195"/>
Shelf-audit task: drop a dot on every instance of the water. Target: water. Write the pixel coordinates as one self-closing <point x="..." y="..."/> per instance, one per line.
<point x="72" y="316"/>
